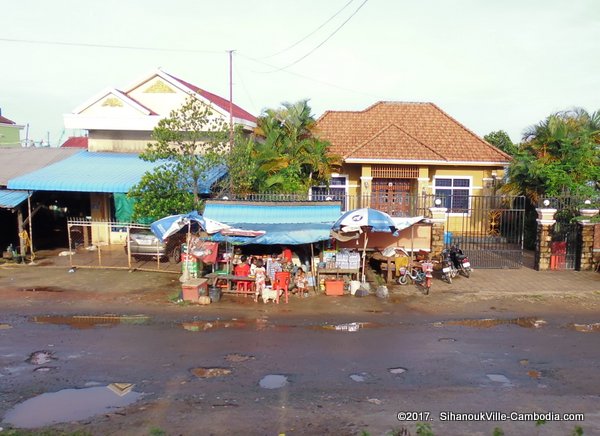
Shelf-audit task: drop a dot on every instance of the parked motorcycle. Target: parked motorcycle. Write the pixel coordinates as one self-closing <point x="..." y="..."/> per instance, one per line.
<point x="420" y="275"/>
<point x="449" y="271"/>
<point x="460" y="261"/>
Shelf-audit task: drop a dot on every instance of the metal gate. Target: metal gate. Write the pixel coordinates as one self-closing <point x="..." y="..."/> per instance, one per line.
<point x="565" y="245"/>
<point x="490" y="230"/>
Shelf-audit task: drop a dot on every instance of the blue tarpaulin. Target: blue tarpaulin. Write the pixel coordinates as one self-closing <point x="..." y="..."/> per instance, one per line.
<point x="284" y="224"/>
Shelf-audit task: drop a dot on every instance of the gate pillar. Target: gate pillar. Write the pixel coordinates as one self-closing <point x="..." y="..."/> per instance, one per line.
<point x="543" y="240"/>
<point x="438" y="221"/>
<point x="587" y="238"/>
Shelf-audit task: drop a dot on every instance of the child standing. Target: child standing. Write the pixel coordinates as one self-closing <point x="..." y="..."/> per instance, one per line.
<point x="260" y="274"/>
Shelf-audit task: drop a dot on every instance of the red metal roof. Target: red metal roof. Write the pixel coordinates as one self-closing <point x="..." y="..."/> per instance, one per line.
<point x="76" y="142"/>
<point x="4" y="120"/>
<point x="223" y="103"/>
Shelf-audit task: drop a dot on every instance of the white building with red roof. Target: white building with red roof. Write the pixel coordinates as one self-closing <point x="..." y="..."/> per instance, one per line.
<point x="122" y="120"/>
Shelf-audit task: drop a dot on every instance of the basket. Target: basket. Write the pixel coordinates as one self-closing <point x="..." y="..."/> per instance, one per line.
<point x="427" y="266"/>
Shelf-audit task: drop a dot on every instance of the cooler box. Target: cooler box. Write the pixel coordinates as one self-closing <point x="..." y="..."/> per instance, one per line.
<point x="191" y="291"/>
<point x="334" y="287"/>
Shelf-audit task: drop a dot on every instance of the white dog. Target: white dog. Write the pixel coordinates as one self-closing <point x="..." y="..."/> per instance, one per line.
<point x="270" y="294"/>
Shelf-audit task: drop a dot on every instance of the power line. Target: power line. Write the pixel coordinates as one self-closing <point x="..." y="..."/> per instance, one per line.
<point x="333" y="85"/>
<point x="123" y="47"/>
<point x="311" y="33"/>
<point x="324" y="41"/>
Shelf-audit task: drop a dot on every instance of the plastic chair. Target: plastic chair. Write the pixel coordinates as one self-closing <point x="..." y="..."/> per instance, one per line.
<point x="243" y="287"/>
<point x="282" y="282"/>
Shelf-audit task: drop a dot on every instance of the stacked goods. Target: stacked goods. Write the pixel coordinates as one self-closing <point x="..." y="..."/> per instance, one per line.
<point x="347" y="260"/>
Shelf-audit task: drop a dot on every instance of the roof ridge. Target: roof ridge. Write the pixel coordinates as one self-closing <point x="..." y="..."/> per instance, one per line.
<point x="392" y="124"/>
<point x="470" y="132"/>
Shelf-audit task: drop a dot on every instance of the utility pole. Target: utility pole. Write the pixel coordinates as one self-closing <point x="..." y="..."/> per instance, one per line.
<point x="231" y="99"/>
<point x="230" y="111"/>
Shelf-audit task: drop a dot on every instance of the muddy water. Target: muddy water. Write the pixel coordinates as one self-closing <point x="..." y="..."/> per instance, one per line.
<point x="68" y="405"/>
<point x="90" y="321"/>
<point x="273" y="381"/>
<point x="528" y="322"/>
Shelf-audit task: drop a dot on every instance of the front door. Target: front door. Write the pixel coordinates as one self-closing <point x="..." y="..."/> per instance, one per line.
<point x="391" y="196"/>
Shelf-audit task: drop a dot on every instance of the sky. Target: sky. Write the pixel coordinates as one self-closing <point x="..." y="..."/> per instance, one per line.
<point x="491" y="65"/>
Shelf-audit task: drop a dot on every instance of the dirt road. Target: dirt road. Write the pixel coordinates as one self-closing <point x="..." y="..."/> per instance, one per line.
<point x="319" y="365"/>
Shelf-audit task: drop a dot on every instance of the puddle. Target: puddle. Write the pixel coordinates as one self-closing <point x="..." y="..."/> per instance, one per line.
<point x="398" y="370"/>
<point x="40" y="357"/>
<point x="360" y="377"/>
<point x="91" y="321"/>
<point x="347" y="327"/>
<point x="45" y="369"/>
<point x="42" y="289"/>
<point x="499" y="378"/>
<point x="493" y="322"/>
<point x="210" y="372"/>
<point x="68" y="405"/>
<point x="241" y="324"/>
<point x="236" y="357"/>
<point x="273" y="381"/>
<point x="585" y="328"/>
<point x="446" y="340"/>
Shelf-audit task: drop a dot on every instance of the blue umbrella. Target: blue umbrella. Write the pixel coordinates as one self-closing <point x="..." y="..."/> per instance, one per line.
<point x="169" y="225"/>
<point x="364" y="220"/>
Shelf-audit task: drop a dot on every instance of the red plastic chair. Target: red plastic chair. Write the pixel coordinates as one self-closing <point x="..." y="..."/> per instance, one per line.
<point x="282" y="282"/>
<point x="243" y="287"/>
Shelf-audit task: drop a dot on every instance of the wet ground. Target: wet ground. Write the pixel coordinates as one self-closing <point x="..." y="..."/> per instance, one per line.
<point x="135" y="362"/>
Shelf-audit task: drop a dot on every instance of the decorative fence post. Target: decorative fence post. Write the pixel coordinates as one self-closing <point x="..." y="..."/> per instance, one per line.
<point x="545" y="222"/>
<point x="438" y="221"/>
<point x="587" y="232"/>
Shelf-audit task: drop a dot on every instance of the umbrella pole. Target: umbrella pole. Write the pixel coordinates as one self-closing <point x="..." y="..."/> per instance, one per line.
<point x="186" y="270"/>
<point x="364" y="275"/>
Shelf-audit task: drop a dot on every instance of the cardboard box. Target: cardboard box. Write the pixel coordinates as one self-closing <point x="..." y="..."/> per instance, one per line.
<point x="334" y="287"/>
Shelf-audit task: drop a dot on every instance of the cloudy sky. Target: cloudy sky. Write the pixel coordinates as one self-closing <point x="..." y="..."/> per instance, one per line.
<point x="492" y="65"/>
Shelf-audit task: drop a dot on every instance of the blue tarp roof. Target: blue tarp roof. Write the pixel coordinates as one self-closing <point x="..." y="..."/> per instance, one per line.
<point x="285" y="224"/>
<point x="234" y="212"/>
<point x="10" y="198"/>
<point x="96" y="172"/>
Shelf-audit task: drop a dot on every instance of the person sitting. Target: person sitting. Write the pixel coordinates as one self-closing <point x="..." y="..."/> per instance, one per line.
<point x="242" y="268"/>
<point x="301" y="283"/>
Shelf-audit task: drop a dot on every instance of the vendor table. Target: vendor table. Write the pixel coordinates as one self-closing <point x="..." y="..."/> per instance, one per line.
<point x="352" y="272"/>
<point x="229" y="279"/>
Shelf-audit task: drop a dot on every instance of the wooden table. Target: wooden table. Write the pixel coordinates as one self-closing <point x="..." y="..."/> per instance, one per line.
<point x="229" y="279"/>
<point x="337" y="272"/>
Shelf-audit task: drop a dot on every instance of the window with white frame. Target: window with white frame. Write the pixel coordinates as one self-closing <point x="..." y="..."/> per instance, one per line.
<point x="336" y="191"/>
<point x="454" y="193"/>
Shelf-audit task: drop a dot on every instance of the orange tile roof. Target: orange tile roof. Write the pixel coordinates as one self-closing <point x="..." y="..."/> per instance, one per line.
<point x="404" y="131"/>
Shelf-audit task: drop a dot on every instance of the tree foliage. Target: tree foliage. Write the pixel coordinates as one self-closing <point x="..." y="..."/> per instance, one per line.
<point x="189" y="143"/>
<point x="501" y="140"/>
<point x="286" y="156"/>
<point x="559" y="156"/>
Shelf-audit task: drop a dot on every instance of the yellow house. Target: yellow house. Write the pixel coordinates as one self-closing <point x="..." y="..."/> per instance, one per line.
<point x="400" y="157"/>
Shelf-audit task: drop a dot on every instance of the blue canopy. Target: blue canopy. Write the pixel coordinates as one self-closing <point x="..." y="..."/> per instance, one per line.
<point x="284" y="223"/>
<point x="282" y="234"/>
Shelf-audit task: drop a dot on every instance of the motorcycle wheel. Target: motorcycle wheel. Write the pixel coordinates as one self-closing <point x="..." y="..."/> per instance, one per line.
<point x="466" y="273"/>
<point x="403" y="280"/>
<point x="448" y="278"/>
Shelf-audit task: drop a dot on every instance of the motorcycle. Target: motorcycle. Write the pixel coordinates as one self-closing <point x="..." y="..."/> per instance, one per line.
<point x="449" y="271"/>
<point x="421" y="275"/>
<point x="460" y="261"/>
